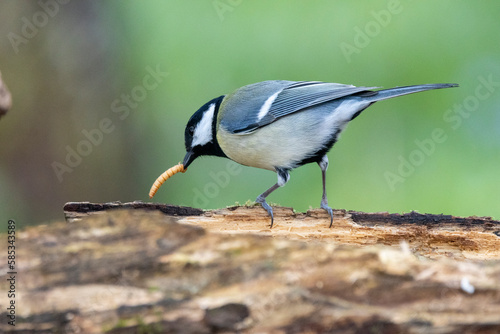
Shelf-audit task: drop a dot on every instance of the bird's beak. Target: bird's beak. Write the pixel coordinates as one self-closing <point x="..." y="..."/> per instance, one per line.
<point x="188" y="159"/>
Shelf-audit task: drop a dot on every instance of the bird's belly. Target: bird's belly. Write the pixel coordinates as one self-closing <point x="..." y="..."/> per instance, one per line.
<point x="283" y="143"/>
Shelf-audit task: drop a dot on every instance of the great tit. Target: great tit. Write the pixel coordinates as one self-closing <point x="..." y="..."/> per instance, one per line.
<point x="280" y="125"/>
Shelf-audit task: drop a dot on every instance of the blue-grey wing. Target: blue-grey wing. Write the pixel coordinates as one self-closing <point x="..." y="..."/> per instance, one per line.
<point x="285" y="98"/>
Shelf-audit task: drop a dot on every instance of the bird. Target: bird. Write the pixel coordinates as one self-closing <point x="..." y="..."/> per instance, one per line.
<point x="279" y="125"/>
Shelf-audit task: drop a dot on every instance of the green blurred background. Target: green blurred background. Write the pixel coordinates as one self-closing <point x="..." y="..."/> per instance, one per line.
<point x="72" y="65"/>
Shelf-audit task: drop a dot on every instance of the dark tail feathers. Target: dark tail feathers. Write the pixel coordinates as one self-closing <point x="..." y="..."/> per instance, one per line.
<point x="398" y="91"/>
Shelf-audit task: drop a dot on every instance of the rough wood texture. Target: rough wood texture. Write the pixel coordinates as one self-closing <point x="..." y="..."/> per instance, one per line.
<point x="74" y="211"/>
<point x="429" y="235"/>
<point x="5" y="98"/>
<point x="130" y="271"/>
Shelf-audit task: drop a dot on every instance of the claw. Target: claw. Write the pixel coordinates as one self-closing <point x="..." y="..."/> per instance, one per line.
<point x="329" y="210"/>
<point x="262" y="200"/>
<point x="266" y="206"/>
<point x="323" y="164"/>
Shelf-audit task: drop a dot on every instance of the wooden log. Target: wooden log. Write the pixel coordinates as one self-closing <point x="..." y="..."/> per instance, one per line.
<point x="429" y="235"/>
<point x="141" y="270"/>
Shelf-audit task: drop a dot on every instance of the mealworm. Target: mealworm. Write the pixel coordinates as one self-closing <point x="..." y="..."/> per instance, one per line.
<point x="164" y="177"/>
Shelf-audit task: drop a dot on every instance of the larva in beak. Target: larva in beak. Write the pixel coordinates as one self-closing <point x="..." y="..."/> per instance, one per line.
<point x="164" y="177"/>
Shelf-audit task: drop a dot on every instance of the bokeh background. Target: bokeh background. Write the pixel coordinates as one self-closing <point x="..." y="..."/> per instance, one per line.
<point x="83" y="69"/>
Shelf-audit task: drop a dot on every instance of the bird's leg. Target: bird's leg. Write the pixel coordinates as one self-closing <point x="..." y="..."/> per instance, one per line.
<point x="323" y="164"/>
<point x="262" y="200"/>
<point x="283" y="177"/>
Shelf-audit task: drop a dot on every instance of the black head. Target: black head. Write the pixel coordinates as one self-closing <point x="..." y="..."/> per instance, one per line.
<point x="200" y="134"/>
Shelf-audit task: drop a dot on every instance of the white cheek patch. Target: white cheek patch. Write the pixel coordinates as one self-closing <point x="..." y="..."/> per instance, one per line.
<point x="203" y="131"/>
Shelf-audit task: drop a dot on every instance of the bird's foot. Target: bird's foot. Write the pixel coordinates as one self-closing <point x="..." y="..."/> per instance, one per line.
<point x="266" y="206"/>
<point x="324" y="205"/>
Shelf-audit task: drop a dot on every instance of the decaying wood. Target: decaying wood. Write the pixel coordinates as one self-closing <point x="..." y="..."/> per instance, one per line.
<point x="137" y="270"/>
<point x="74" y="211"/>
<point x="5" y="98"/>
<point x="428" y="235"/>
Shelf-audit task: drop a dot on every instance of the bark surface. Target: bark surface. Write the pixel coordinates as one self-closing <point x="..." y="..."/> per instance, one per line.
<point x="151" y="268"/>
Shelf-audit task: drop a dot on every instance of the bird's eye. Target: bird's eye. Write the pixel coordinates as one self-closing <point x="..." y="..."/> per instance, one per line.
<point x="191" y="130"/>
